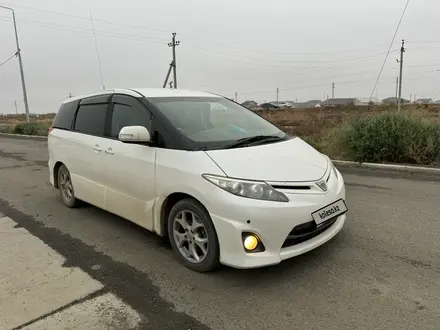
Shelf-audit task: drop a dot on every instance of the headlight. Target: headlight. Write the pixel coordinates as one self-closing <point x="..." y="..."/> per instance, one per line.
<point x="245" y="188"/>
<point x="332" y="166"/>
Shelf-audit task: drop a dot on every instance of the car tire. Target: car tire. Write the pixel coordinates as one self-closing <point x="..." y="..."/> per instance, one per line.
<point x="212" y="256"/>
<point x="65" y="188"/>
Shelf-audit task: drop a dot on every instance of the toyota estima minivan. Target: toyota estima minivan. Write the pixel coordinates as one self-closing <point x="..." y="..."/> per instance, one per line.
<point x="222" y="183"/>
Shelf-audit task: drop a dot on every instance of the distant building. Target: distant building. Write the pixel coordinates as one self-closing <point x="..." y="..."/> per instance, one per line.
<point x="341" y="102"/>
<point x="369" y="101"/>
<point x="437" y="102"/>
<point x="423" y="101"/>
<point x="250" y="104"/>
<point x="308" y="104"/>
<point x="393" y="100"/>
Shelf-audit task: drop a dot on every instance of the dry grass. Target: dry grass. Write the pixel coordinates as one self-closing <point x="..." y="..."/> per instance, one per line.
<point x="319" y="121"/>
<point x="18" y="119"/>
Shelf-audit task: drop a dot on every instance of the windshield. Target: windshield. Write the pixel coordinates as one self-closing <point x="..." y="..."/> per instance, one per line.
<point x="213" y="122"/>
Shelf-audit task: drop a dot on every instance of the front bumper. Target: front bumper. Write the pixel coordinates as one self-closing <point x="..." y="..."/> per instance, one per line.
<point x="272" y="222"/>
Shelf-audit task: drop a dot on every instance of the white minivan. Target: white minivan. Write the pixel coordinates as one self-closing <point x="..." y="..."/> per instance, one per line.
<point x="226" y="187"/>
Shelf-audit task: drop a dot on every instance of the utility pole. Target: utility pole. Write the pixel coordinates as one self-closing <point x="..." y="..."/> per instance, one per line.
<point x="173" y="44"/>
<point x="16" y="109"/>
<point x="402" y="50"/>
<point x="333" y="90"/>
<point x="20" y="62"/>
<point x="278" y="92"/>
<point x="236" y="96"/>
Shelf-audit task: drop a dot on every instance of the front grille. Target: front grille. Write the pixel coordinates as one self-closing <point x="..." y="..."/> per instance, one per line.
<point x="280" y="187"/>
<point x="306" y="231"/>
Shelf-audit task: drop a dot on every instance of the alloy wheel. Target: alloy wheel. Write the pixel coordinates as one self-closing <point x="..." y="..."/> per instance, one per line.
<point x="190" y="236"/>
<point x="65" y="184"/>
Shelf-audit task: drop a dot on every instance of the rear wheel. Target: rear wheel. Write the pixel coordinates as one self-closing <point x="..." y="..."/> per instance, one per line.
<point x="65" y="187"/>
<point x="193" y="236"/>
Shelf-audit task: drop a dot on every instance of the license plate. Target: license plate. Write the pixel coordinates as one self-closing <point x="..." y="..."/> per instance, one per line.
<point x="330" y="211"/>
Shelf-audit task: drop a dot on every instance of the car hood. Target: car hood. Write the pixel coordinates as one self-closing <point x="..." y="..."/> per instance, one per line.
<point x="292" y="160"/>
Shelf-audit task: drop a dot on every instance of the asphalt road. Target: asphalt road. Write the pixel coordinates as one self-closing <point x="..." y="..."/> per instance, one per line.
<point x="381" y="272"/>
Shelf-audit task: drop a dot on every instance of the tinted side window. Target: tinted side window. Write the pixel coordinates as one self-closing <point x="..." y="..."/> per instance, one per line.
<point x="64" y="117"/>
<point x="129" y="112"/>
<point x="90" y="119"/>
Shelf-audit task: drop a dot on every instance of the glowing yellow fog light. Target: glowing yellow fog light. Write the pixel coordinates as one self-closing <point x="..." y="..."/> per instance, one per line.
<point x="250" y="242"/>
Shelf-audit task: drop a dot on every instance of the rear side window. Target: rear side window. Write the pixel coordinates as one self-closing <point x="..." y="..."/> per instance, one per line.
<point x="64" y="117"/>
<point x="90" y="119"/>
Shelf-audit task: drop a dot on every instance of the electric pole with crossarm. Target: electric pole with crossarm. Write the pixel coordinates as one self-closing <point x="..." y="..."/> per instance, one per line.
<point x="173" y="44"/>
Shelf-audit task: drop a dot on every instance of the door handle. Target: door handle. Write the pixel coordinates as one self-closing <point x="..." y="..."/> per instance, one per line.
<point x="97" y="148"/>
<point x="109" y="151"/>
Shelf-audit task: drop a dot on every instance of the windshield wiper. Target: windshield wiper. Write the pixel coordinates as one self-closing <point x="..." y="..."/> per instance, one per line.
<point x="257" y="138"/>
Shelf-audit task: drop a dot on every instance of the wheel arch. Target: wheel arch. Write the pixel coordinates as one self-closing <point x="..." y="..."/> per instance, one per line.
<point x="168" y="204"/>
<point x="56" y="168"/>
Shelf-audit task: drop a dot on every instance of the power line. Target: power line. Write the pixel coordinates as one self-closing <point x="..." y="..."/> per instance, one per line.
<point x="10" y="58"/>
<point x="216" y="54"/>
<point x="274" y="53"/>
<point x="270" y="89"/>
<point x="389" y="49"/>
<point x="185" y="35"/>
<point x="157" y="40"/>
<point x="293" y="61"/>
<point x="86" y="31"/>
<point x="86" y="18"/>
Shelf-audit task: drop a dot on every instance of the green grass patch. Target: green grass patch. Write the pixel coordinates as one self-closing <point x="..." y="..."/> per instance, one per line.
<point x="32" y="128"/>
<point x="388" y="137"/>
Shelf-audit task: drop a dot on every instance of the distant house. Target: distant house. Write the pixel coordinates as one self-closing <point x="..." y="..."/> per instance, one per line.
<point x="341" y="102"/>
<point x="437" y="102"/>
<point x="314" y="104"/>
<point x="423" y="101"/>
<point x="393" y="100"/>
<point x="369" y="101"/>
<point x="308" y="104"/>
<point x="250" y="104"/>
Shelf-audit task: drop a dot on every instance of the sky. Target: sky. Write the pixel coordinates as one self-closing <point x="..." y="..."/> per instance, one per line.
<point x="248" y="47"/>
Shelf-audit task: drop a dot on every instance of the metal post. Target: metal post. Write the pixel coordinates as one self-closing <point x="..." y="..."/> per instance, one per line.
<point x="174" y="61"/>
<point x="20" y="62"/>
<point x="333" y="90"/>
<point x="168" y="75"/>
<point x="399" y="101"/>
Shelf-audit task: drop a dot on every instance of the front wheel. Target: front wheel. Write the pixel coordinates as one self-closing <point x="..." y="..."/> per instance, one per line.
<point x="193" y="236"/>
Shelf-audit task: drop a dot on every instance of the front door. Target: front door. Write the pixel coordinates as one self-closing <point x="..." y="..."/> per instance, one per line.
<point x="130" y="191"/>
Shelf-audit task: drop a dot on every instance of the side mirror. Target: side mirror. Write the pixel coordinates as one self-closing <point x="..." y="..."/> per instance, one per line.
<point x="134" y="134"/>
